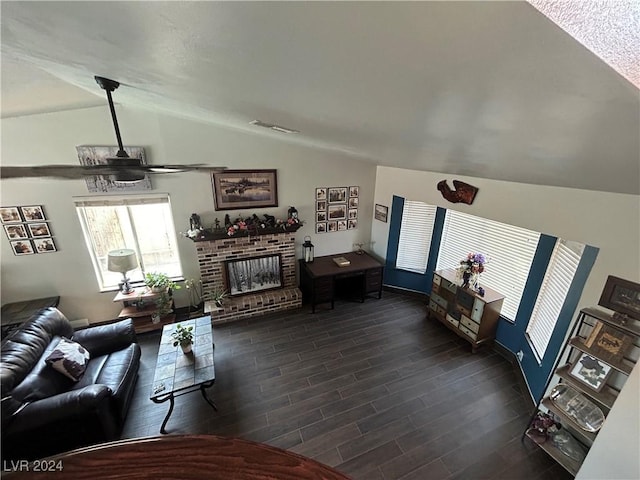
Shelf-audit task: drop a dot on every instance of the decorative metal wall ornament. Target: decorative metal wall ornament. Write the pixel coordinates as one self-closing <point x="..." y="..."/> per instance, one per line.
<point x="463" y="193"/>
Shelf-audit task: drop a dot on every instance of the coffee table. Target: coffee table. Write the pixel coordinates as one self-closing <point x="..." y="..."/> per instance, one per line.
<point x="180" y="373"/>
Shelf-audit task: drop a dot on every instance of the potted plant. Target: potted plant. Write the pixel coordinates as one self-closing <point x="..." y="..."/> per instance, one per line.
<point x="159" y="282"/>
<point x="215" y="296"/>
<point x="164" y="305"/>
<point x="184" y="337"/>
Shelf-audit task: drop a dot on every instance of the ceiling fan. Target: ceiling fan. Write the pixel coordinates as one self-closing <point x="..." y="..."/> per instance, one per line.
<point x="121" y="168"/>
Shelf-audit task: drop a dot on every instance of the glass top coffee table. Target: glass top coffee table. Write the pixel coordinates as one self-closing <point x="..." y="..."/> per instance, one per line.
<point x="180" y="373"/>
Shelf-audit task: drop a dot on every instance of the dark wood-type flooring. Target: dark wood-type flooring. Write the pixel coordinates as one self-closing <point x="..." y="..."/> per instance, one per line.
<point x="376" y="390"/>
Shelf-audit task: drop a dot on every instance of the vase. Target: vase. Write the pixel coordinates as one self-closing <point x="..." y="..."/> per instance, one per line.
<point x="155" y="318"/>
<point x="186" y="348"/>
<point x="465" y="279"/>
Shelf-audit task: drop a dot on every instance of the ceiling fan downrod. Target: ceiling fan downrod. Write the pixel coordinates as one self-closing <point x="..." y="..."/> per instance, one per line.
<point x="109" y="86"/>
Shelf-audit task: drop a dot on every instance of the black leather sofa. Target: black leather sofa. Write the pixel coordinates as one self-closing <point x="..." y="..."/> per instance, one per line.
<point x="43" y="411"/>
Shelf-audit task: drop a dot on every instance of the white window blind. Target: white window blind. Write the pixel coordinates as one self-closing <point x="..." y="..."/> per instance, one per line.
<point x="553" y="292"/>
<point x="143" y="223"/>
<point x="509" y="250"/>
<point x="415" y="236"/>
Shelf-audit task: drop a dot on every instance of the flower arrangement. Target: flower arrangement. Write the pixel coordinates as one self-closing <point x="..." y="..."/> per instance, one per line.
<point x="471" y="268"/>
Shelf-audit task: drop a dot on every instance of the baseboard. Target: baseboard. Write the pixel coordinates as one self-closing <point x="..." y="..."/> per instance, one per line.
<point x="510" y="357"/>
<point x="404" y="291"/>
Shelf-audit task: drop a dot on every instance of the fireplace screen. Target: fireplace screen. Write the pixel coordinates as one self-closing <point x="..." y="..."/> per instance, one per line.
<point x="249" y="275"/>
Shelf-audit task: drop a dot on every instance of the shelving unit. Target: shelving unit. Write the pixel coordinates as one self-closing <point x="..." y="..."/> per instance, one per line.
<point x="462" y="310"/>
<point x="606" y="397"/>
<point x="142" y="316"/>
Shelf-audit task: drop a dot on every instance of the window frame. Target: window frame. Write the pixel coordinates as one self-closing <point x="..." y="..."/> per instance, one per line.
<point x="414" y="240"/>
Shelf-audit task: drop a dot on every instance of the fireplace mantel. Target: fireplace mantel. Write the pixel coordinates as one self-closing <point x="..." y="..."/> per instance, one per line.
<point x="221" y="234"/>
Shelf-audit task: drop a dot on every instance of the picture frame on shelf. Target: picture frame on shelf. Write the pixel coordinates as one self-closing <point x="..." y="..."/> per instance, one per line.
<point x="16" y="231"/>
<point x="591" y="371"/>
<point x="240" y="189"/>
<point x="10" y="215"/>
<point x="39" y="230"/>
<point x="337" y="194"/>
<point x="381" y="212"/>
<point x="22" y="247"/>
<point x="608" y="342"/>
<point x="33" y="213"/>
<point x="44" y="245"/>
<point x="622" y="296"/>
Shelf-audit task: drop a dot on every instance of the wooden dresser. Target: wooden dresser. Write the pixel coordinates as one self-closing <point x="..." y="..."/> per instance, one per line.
<point x="462" y="310"/>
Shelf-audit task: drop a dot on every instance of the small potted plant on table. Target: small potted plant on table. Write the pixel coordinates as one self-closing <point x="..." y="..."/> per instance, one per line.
<point x="183" y="336"/>
<point x="159" y="282"/>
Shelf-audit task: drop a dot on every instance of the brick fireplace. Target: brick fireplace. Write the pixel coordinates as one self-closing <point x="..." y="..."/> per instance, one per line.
<point x="211" y="257"/>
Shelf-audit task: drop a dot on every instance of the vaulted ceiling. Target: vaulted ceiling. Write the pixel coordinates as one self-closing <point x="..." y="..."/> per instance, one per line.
<point x="486" y="89"/>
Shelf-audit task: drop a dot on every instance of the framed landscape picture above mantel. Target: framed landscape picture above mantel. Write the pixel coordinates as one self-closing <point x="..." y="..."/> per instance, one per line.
<point x="239" y="189"/>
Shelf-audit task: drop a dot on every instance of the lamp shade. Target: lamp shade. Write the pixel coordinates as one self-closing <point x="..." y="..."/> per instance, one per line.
<point x="122" y="260"/>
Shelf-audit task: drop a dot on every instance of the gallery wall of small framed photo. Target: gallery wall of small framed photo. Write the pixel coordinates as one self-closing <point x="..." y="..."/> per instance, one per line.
<point x="336" y="208"/>
<point x="27" y="229"/>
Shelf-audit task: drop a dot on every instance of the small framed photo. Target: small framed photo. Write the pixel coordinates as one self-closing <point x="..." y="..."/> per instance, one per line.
<point x="354" y="191"/>
<point x="353" y="202"/>
<point x="332" y="226"/>
<point x="621" y="296"/>
<point x="22" y="247"/>
<point x="39" y="230"/>
<point x="33" y="213"/>
<point x="321" y="227"/>
<point x="321" y="205"/>
<point x="44" y="245"/>
<point x="337" y="195"/>
<point x="337" y="212"/>
<point x="10" y="215"/>
<point x="320" y="216"/>
<point x="608" y="343"/>
<point x="321" y="193"/>
<point x="352" y="223"/>
<point x="381" y="212"/>
<point x="342" y="225"/>
<point x="16" y="232"/>
<point x="353" y="213"/>
<point x="591" y="371"/>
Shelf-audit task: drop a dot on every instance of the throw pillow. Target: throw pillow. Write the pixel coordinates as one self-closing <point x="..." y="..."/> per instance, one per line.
<point x="69" y="358"/>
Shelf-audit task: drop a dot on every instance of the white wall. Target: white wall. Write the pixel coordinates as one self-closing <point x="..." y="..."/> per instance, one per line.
<point x="52" y="138"/>
<point x="608" y="221"/>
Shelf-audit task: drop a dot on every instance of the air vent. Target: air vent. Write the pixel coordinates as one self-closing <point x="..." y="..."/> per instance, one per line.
<point x="272" y="126"/>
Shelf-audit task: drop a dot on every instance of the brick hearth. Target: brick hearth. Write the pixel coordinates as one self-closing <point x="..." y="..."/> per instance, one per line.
<point x="211" y="257"/>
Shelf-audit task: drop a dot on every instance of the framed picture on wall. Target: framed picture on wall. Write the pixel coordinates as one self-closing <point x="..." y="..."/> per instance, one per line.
<point x="10" y="215"/>
<point x="321" y="193"/>
<point x="39" y="230"/>
<point x="337" y="212"/>
<point x="16" y="232"/>
<point x="22" y="247"/>
<point x="321" y="227"/>
<point x="337" y="194"/>
<point x="354" y="191"/>
<point x="44" y="245"/>
<point x="381" y="212"/>
<point x="622" y="296"/>
<point x="33" y="213"/>
<point x="237" y="189"/>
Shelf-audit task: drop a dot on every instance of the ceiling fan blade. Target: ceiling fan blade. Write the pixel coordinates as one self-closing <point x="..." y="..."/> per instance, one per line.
<point x="72" y="172"/>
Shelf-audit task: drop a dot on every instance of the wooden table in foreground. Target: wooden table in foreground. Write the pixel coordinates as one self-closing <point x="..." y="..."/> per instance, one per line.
<point x="322" y="279"/>
<point x="181" y="457"/>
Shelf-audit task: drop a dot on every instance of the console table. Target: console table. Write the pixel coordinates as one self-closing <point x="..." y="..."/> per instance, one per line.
<point x="322" y="280"/>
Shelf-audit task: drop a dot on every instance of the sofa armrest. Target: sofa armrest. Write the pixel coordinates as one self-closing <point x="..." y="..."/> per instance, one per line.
<point x="106" y="339"/>
<point x="73" y="403"/>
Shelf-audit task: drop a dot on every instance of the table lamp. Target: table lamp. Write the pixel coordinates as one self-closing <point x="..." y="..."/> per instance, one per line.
<point x="122" y="261"/>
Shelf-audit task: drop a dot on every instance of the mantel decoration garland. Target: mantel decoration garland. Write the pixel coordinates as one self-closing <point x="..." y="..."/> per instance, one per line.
<point x="242" y="226"/>
<point x="470" y="270"/>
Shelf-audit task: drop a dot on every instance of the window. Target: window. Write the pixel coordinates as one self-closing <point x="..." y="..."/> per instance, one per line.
<point x="143" y="223"/>
<point x="509" y="250"/>
<point x="553" y="292"/>
<point x="415" y="236"/>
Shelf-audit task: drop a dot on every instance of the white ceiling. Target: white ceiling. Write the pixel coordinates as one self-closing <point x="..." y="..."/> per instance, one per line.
<point x="486" y="89"/>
